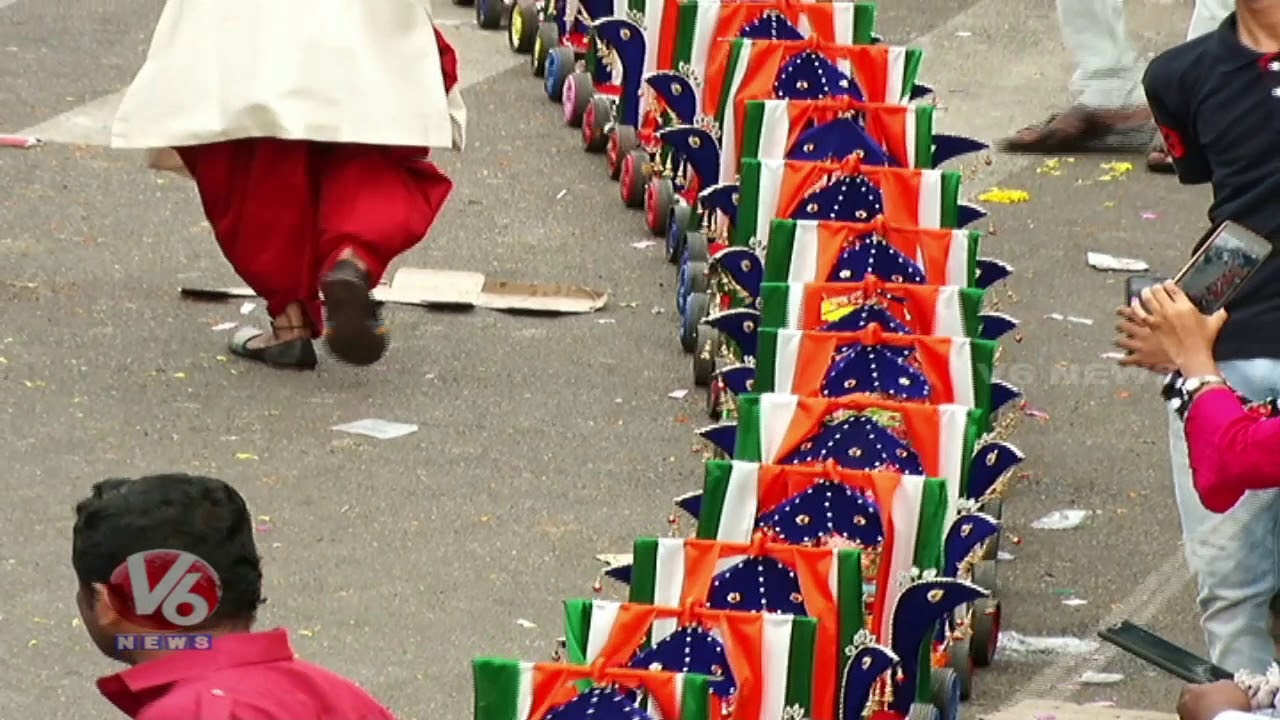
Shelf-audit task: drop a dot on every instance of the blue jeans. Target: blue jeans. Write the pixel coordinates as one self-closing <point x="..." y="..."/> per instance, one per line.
<point x="1234" y="557"/>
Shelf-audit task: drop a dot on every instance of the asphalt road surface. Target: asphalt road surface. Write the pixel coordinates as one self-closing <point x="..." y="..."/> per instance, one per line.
<point x="542" y="442"/>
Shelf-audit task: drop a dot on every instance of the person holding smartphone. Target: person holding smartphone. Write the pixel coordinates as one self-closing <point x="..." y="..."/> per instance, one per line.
<point x="1216" y="100"/>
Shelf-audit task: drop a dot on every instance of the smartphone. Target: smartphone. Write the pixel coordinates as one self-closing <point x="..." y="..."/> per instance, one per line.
<point x="1173" y="659"/>
<point x="1226" y="259"/>
<point x="1134" y="286"/>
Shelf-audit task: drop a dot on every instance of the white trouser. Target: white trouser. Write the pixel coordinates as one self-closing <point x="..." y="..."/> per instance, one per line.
<point x="1107" y="71"/>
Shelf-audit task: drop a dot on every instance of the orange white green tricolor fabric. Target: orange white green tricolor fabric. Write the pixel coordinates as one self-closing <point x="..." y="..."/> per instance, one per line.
<point x="806" y="251"/>
<point x="515" y="690"/>
<point x="945" y="310"/>
<point x="770" y="654"/>
<point x="772" y="127"/>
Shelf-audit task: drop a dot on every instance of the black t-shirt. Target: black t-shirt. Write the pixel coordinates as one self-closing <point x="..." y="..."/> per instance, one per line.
<point x="1217" y="103"/>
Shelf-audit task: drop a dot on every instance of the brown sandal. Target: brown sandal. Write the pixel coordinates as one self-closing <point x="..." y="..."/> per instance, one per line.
<point x="1081" y="129"/>
<point x="1158" y="158"/>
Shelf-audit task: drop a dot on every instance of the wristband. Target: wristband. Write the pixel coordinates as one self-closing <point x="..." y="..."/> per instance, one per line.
<point x="1178" y="396"/>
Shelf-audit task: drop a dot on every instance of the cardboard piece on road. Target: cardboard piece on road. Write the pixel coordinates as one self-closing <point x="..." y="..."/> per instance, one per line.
<point x="430" y="288"/>
<point x="1067" y="711"/>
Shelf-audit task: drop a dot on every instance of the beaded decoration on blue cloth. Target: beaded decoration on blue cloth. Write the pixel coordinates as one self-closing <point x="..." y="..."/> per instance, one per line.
<point x="601" y="703"/>
<point x="884" y="370"/>
<point x="809" y="75"/>
<point x="757" y="584"/>
<point x="825" y="510"/>
<point x="870" y="254"/>
<point x="841" y="197"/>
<point x="836" y="140"/>
<point x="772" y="25"/>
<point x="858" y="442"/>
<point x="691" y="649"/>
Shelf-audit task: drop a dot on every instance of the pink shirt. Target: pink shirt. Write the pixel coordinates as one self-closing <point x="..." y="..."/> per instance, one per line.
<point x="1231" y="449"/>
<point x="245" y="676"/>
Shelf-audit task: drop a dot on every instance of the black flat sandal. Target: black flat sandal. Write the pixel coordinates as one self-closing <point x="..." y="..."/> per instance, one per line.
<point x="297" y="354"/>
<point x="353" y="330"/>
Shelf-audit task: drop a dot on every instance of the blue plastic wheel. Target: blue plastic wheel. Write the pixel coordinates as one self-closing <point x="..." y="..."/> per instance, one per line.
<point x="677" y="226"/>
<point x="684" y="286"/>
<point x="550" y="72"/>
<point x="688" y="332"/>
<point x="946" y="692"/>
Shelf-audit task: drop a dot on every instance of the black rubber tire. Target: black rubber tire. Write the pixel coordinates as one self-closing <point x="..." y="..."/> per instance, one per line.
<point x="706" y="349"/>
<point x="665" y="197"/>
<point x="548" y="38"/>
<point x="943" y="683"/>
<point x="698" y="280"/>
<point x="986" y="631"/>
<point x="962" y="663"/>
<point x="523" y="45"/>
<point x="995" y="508"/>
<point x="680" y="215"/>
<point x="696" y="243"/>
<point x="490" y="14"/>
<point x="585" y="90"/>
<point x="626" y="141"/>
<point x="985" y="576"/>
<point x="923" y="711"/>
<point x="697" y="308"/>
<point x="715" y="400"/>
<point x="602" y="115"/>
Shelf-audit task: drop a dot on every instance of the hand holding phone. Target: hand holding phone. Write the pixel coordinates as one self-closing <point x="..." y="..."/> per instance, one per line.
<point x="1223" y="263"/>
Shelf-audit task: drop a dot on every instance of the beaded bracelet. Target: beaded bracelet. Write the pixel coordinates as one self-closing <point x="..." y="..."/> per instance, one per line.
<point x="1263" y="690"/>
<point x="1175" y="393"/>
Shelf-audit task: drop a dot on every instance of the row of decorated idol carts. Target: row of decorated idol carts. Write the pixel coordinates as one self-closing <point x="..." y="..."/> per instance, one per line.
<point x="833" y="303"/>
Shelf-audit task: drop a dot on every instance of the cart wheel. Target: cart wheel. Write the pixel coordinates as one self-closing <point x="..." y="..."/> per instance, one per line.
<point x="697" y="306"/>
<point x="576" y="95"/>
<point x="984" y="575"/>
<point x="959" y="655"/>
<point x="677" y="228"/>
<point x="595" y="122"/>
<point x="995" y="508"/>
<point x="659" y="196"/>
<point x="986" y="631"/>
<point x="715" y="396"/>
<point x="547" y="38"/>
<point x="621" y="141"/>
<point x="489" y="13"/>
<point x="696" y="245"/>
<point x="560" y="63"/>
<point x="632" y="178"/>
<point x="522" y="27"/>
<point x="706" y="348"/>
<point x="699" y="281"/>
<point x="922" y="711"/>
<point x="945" y="693"/>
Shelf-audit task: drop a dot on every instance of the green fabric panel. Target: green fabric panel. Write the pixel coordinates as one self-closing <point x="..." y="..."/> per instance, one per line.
<point x="782" y="242"/>
<point x="933" y="512"/>
<point x="686" y="25"/>
<point x="864" y="23"/>
<point x="695" y="702"/>
<point x="850" y="601"/>
<point x="804" y="642"/>
<point x="911" y="71"/>
<point x="752" y="129"/>
<point x="982" y="354"/>
<point x="971" y="264"/>
<point x="924" y="140"/>
<point x="715" y="486"/>
<point x="644" y="570"/>
<point x="774" y="298"/>
<point x="970" y="307"/>
<point x="740" y="52"/>
<point x="748" y="202"/>
<point x="747" y="441"/>
<point x="978" y="425"/>
<point x="577" y="629"/>
<point x="950" y="198"/>
<point x="497" y="688"/>
<point x="766" y="360"/>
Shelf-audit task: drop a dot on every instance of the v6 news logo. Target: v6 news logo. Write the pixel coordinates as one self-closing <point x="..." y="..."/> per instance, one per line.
<point x="166" y="589"/>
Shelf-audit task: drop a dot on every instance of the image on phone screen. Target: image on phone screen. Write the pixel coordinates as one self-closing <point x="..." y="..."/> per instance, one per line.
<point x="1218" y="271"/>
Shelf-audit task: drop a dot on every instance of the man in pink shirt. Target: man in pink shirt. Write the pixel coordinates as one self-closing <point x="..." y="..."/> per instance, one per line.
<point x="169" y="561"/>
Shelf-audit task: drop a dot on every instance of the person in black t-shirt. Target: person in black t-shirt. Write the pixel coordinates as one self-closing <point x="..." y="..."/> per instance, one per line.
<point x="1216" y="100"/>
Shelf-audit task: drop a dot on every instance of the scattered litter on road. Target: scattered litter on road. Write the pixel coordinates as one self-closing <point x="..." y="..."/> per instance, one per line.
<point x="1101" y="703"/>
<point x="1003" y="556"/>
<point x="1100" y="678"/>
<point x="1105" y="262"/>
<point x="562" y="193"/>
<point x="246" y="456"/>
<point x="1112" y="356"/>
<point x="963" y="33"/>
<point x="1051" y="166"/>
<point x="1115" y="170"/>
<point x="1061" y="520"/>
<point x="607" y="321"/>
<point x="1148" y="215"/>
<point x="375" y="428"/>
<point x="678" y="394"/>
<point x="1029" y="411"/>
<point x="655" y="310"/>
<point x="526" y="624"/>
<point x="642" y="244"/>
<point x="1005" y="196"/>
<point x="223" y="326"/>
<point x="1015" y="644"/>
<point x="1069" y="318"/>
<point x="247" y="308"/>
<point x="614" y="559"/>
<point x="264" y="524"/>
<point x="19" y="142"/>
<point x="1074" y="602"/>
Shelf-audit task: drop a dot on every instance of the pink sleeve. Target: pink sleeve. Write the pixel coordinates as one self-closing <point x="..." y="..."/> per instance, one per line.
<point x="1231" y="451"/>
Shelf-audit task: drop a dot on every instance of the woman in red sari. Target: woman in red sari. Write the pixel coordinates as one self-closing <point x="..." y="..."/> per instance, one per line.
<point x="306" y="126"/>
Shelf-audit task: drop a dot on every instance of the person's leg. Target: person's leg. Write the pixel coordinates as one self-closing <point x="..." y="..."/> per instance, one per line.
<point x="1232" y="556"/>
<point x="1107" y="85"/>
<point x="260" y="201"/>
<point x="375" y="203"/>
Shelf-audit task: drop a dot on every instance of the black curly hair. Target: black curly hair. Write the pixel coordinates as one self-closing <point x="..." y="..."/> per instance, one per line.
<point x="200" y="515"/>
